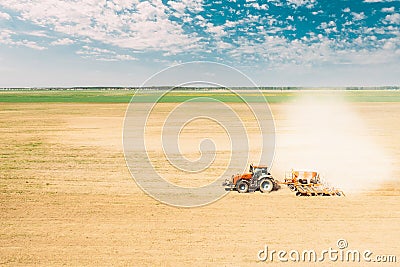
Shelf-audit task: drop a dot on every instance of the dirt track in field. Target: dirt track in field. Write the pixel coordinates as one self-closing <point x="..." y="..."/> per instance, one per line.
<point x="67" y="198"/>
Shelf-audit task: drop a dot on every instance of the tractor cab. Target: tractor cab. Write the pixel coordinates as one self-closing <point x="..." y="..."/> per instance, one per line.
<point x="262" y="170"/>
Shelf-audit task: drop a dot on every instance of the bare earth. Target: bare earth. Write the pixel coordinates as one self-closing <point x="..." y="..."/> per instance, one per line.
<point x="67" y="198"/>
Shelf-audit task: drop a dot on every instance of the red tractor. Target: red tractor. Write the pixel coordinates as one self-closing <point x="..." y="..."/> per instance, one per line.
<point x="258" y="178"/>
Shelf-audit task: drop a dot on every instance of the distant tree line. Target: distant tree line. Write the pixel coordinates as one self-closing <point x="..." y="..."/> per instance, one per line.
<point x="280" y="88"/>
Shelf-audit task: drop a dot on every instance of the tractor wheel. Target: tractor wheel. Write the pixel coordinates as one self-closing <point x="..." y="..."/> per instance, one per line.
<point x="242" y="187"/>
<point x="266" y="186"/>
<point x="292" y="187"/>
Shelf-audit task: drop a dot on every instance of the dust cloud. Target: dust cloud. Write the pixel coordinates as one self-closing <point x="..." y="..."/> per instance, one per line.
<point x="327" y="135"/>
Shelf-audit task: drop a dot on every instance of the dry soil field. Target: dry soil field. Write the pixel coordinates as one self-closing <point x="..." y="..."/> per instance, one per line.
<point x="67" y="198"/>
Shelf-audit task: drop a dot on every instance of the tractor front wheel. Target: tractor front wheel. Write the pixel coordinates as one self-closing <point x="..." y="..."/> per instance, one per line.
<point x="266" y="186"/>
<point x="242" y="187"/>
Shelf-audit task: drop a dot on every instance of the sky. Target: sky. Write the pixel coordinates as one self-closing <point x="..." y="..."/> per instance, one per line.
<point x="123" y="42"/>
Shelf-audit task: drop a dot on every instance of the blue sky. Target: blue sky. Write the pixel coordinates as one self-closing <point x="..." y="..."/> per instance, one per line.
<point x="123" y="42"/>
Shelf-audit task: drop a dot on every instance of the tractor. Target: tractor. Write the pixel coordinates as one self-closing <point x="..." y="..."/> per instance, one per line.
<point x="258" y="178"/>
<point x="303" y="183"/>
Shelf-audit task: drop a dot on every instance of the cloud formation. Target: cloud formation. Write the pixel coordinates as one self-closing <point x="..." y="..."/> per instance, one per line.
<point x="102" y="54"/>
<point x="272" y="33"/>
<point x="6" y="39"/>
<point x="4" y="16"/>
<point x="64" y="41"/>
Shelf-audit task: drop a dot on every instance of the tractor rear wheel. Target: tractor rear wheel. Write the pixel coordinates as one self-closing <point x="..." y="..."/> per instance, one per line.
<point x="266" y="186"/>
<point x="242" y="187"/>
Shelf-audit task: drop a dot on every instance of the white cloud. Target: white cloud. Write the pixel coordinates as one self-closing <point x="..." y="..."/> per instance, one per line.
<point x="64" y="41"/>
<point x="328" y="27"/>
<point x="358" y="16"/>
<point x="393" y="18"/>
<point x="331" y="23"/>
<point x="146" y="28"/>
<point x="218" y="31"/>
<point x="389" y="45"/>
<point x="6" y="38"/>
<point x="224" y="45"/>
<point x="388" y="9"/>
<point x="36" y="34"/>
<point x="194" y="6"/>
<point x="94" y="51"/>
<point x="297" y="3"/>
<point x="102" y="54"/>
<point x="4" y="16"/>
<point x="178" y="6"/>
<point x="87" y="41"/>
<point x="258" y="6"/>
<point x="230" y="23"/>
<point x="317" y="12"/>
<point x="30" y="44"/>
<point x="125" y="57"/>
<point x="279" y="52"/>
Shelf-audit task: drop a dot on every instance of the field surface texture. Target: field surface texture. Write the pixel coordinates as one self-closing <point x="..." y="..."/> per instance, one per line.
<point x="67" y="197"/>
